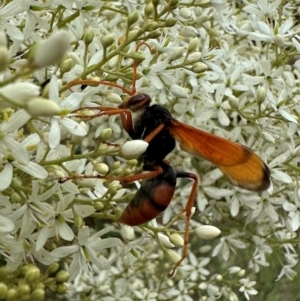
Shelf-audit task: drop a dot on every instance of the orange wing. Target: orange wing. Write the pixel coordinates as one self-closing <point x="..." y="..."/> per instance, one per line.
<point x="239" y="163"/>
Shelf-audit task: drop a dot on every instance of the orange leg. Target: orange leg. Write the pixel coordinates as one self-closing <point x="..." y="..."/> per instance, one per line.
<point x="126" y="179"/>
<point x="188" y="212"/>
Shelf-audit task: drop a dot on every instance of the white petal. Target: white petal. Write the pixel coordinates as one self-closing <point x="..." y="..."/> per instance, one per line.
<point x="6" y="176"/>
<point x="33" y="169"/>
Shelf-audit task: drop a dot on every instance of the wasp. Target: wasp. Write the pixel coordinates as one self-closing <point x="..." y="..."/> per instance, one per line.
<point x="155" y="125"/>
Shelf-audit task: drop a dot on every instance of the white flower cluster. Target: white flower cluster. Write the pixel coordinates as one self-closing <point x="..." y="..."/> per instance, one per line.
<point x="231" y="68"/>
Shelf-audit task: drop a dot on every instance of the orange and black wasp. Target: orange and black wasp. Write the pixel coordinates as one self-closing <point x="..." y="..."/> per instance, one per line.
<point x="155" y="125"/>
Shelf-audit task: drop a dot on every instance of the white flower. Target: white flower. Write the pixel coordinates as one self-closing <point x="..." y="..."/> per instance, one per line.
<point x="58" y="123"/>
<point x="247" y="287"/>
<point x="87" y="251"/>
<point x="35" y="210"/>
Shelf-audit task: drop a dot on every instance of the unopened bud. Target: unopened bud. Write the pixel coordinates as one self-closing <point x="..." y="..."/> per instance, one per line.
<point x="207" y="232"/>
<point x="101" y="168"/>
<point x="260" y="94"/>
<point x="148" y="11"/>
<point x="173" y="256"/>
<point x="105" y="134"/>
<point x="193" y="44"/>
<point x="241" y="273"/>
<point x="178" y="91"/>
<point x="23" y="289"/>
<point x="279" y="41"/>
<point x="53" y="267"/>
<point x="234" y="270"/>
<point x="88" y="37"/>
<point x="107" y="40"/>
<point x="151" y="26"/>
<point x="199" y="67"/>
<point x="127" y="233"/>
<point x="165" y="241"/>
<point x="114" y="98"/>
<point x="3" y="290"/>
<point x="177" y="53"/>
<point x="51" y="50"/>
<point x="42" y="107"/>
<point x="185" y="12"/>
<point x="38" y="294"/>
<point x="132" y="18"/>
<point x="170" y="22"/>
<point x="32" y="274"/>
<point x="133" y="149"/>
<point x="61" y="288"/>
<point x="62" y="276"/>
<point x="176" y="239"/>
<point x="66" y="66"/>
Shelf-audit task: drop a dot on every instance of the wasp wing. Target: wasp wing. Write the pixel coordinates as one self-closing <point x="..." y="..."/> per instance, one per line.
<point x="239" y="163"/>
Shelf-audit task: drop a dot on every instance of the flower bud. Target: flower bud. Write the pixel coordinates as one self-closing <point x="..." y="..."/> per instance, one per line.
<point x="23" y="289"/>
<point x="98" y="206"/>
<point x="202" y="19"/>
<point x="151" y="26"/>
<point x="205" y="249"/>
<point x="132" y="18"/>
<point x="51" y="50"/>
<point x="176" y="239"/>
<point x="127" y="233"/>
<point x="203" y="286"/>
<point x="53" y="267"/>
<point x="12" y="295"/>
<point x="105" y="134"/>
<point x="62" y="276"/>
<point x="66" y="66"/>
<point x="38" y="294"/>
<point x="107" y="40"/>
<point x="199" y="67"/>
<point x="241" y="273"/>
<point x="114" y="98"/>
<point x="4" y="58"/>
<point x="88" y="37"/>
<point x="178" y="92"/>
<point x="185" y="12"/>
<point x="37" y="107"/>
<point x="154" y="34"/>
<point x="61" y="288"/>
<point x="165" y="241"/>
<point x="148" y="11"/>
<point x="207" y="232"/>
<point x="279" y="41"/>
<point x="78" y="221"/>
<point x="170" y="22"/>
<point x="133" y="149"/>
<point x="260" y="94"/>
<point x="3" y="290"/>
<point x="101" y="168"/>
<point x="234" y="270"/>
<point x="32" y="274"/>
<point x="193" y="44"/>
<point x="177" y="54"/>
<point x="173" y="256"/>
<point x="194" y="57"/>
